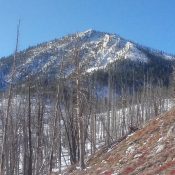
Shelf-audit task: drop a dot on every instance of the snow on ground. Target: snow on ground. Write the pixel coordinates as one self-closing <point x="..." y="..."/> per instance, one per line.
<point x="100" y="135"/>
<point x="159" y="148"/>
<point x="98" y="50"/>
<point x="130" y="149"/>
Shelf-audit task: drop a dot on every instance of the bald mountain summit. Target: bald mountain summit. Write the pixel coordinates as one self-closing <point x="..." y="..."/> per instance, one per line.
<point x="97" y="53"/>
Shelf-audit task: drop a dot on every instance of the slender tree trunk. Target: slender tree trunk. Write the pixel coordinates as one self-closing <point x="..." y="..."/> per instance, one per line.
<point x="30" y="132"/>
<point x="80" y="118"/>
<point x="3" y="155"/>
<point x="108" y="132"/>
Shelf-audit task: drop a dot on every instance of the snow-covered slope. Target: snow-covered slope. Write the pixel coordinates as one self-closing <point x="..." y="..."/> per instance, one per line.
<point x="96" y="51"/>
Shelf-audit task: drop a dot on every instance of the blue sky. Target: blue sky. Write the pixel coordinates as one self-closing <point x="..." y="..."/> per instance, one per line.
<point x="148" y="22"/>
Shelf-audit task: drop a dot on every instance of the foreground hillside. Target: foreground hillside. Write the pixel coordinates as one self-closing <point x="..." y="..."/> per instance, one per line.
<point x="150" y="150"/>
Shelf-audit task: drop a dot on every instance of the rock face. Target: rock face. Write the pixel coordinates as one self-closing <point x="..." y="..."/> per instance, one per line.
<point x="96" y="51"/>
<point x="150" y="150"/>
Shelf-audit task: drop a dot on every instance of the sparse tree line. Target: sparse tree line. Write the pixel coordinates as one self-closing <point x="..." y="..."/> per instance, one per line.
<point x="43" y="131"/>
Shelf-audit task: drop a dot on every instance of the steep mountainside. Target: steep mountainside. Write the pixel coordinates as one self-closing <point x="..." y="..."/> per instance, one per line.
<point x="96" y="51"/>
<point x="148" y="151"/>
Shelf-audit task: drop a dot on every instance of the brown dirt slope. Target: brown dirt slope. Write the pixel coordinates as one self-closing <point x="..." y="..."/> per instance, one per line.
<point x="149" y="151"/>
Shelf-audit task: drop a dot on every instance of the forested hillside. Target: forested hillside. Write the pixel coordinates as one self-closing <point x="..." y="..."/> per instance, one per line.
<point x="97" y="52"/>
<point x="63" y="100"/>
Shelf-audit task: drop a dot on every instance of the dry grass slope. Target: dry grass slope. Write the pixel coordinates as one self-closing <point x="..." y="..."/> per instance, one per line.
<point x="149" y="151"/>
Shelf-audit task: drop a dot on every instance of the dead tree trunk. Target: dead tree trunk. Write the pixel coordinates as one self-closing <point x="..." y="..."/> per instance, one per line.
<point x="3" y="156"/>
<point x="29" y="132"/>
<point x="79" y="115"/>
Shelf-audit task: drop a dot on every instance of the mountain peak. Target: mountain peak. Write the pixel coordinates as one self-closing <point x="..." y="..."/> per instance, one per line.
<point x="87" y="32"/>
<point x="98" y="50"/>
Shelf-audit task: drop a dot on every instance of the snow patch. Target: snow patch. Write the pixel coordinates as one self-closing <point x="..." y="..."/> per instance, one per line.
<point x="171" y="131"/>
<point x="130" y="149"/>
<point x="159" y="148"/>
<point x="160" y="140"/>
<point x="137" y="156"/>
